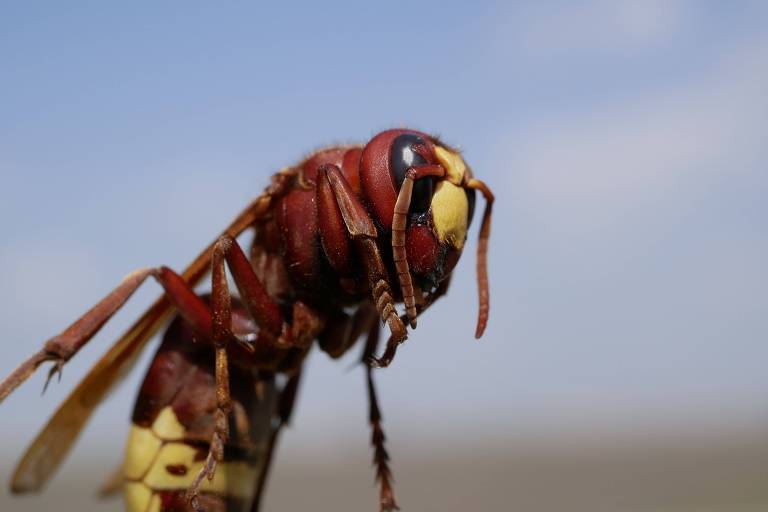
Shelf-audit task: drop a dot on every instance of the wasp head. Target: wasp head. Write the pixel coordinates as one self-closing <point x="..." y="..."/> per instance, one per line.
<point x="423" y="193"/>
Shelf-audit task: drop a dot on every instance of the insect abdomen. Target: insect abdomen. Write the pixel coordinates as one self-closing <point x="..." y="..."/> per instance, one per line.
<point x="173" y="423"/>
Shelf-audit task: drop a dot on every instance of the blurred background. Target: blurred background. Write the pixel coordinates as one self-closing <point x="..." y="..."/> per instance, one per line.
<point x="624" y="366"/>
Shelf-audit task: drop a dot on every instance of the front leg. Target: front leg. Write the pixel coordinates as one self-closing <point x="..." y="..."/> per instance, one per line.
<point x="334" y="197"/>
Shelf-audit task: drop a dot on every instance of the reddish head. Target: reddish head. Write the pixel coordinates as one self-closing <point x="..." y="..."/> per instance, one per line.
<point x="423" y="193"/>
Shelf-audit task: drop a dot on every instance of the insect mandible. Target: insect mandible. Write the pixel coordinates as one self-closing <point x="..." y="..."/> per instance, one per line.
<point x="339" y="241"/>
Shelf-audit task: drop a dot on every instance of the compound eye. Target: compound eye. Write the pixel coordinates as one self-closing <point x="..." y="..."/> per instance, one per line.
<point x="422" y="196"/>
<point x="403" y="157"/>
<point x="471" y="203"/>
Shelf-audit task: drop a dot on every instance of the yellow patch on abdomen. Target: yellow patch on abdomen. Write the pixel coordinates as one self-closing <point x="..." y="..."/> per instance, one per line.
<point x="231" y="478"/>
<point x="154" y="464"/>
<point x="143" y="446"/>
<point x="137" y="496"/>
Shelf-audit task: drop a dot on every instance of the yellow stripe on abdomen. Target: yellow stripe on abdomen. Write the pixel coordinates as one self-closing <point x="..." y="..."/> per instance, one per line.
<point x="154" y="464"/>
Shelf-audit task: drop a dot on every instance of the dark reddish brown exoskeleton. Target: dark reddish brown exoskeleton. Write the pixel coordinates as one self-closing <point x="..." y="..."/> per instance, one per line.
<point x="340" y="239"/>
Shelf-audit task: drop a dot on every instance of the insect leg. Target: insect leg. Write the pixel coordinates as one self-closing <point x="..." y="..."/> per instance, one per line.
<point x="259" y="304"/>
<point x="380" y="456"/>
<point x="276" y="331"/>
<point x="64" y="346"/>
<point x="361" y="228"/>
<point x="270" y="319"/>
<point x="221" y="305"/>
<point x="391" y="350"/>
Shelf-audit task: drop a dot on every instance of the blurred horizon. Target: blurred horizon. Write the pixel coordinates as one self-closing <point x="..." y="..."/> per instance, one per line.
<point x="624" y="141"/>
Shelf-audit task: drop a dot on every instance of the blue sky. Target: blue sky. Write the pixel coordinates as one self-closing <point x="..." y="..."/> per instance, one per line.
<point x="625" y="142"/>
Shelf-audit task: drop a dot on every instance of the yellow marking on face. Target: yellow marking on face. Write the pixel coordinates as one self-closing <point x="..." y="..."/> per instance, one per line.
<point x="143" y="445"/>
<point x="231" y="478"/>
<point x="167" y="426"/>
<point x="137" y="497"/>
<point x="450" y="207"/>
<point x="450" y="211"/>
<point x="454" y="165"/>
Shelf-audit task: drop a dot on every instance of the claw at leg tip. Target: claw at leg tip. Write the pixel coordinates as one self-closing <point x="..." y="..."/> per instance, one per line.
<point x="57" y="368"/>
